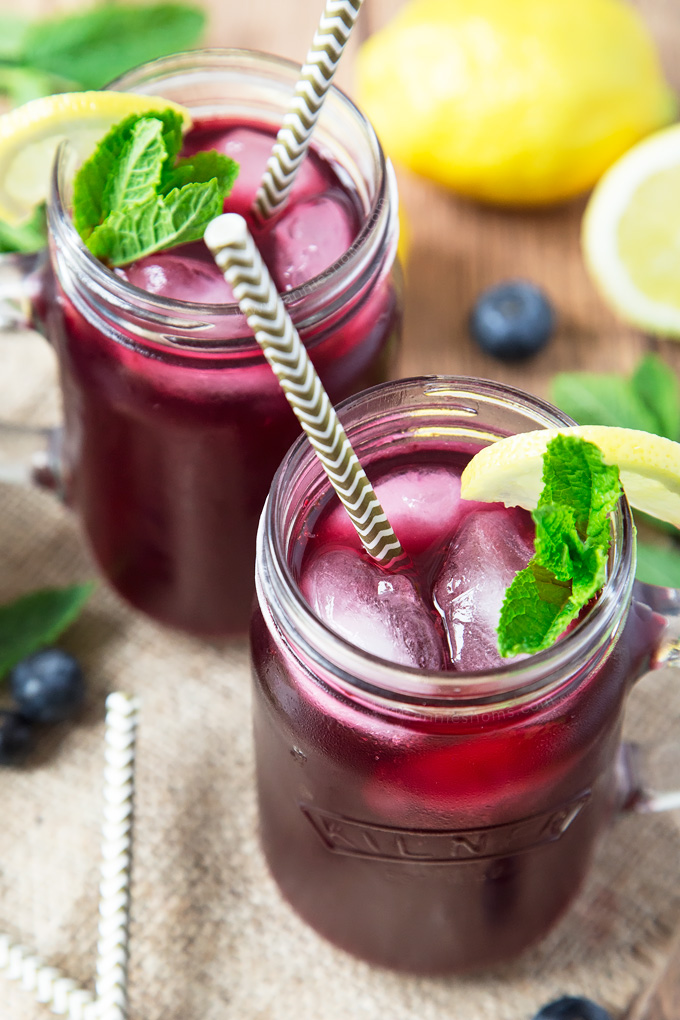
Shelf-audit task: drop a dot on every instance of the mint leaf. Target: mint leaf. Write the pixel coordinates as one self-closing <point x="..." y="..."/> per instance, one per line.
<point x="13" y="31"/>
<point x="575" y="476"/>
<point x="159" y="223"/>
<point x="656" y="385"/>
<point x="132" y="198"/>
<point x="27" y="237"/>
<point x="592" y="398"/>
<point x="559" y="544"/>
<point x="199" y="169"/>
<point x="22" y="84"/>
<point x="649" y="400"/>
<point x="572" y="542"/>
<point x="36" y="620"/>
<point x="658" y="564"/>
<point x="192" y="207"/>
<point x="536" y="603"/>
<point x="94" y="46"/>
<point x="93" y="183"/>
<point x="138" y="167"/>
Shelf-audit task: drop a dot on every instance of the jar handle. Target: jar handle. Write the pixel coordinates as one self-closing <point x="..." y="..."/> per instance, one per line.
<point x="22" y="285"/>
<point x="650" y="773"/>
<point x="31" y="456"/>
<point x="28" y="455"/>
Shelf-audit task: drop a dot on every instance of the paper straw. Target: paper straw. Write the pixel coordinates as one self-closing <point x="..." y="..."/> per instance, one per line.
<point x="49" y="985"/>
<point x="114" y="904"/>
<point x="235" y="253"/>
<point x="316" y="77"/>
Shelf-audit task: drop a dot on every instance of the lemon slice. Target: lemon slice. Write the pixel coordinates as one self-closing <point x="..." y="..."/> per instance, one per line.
<point x="31" y="134"/>
<point x="511" y="470"/>
<point x="631" y="234"/>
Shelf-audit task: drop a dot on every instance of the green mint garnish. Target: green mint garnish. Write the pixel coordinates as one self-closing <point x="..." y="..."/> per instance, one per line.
<point x="27" y="237"/>
<point x="83" y="51"/>
<point x="91" y="47"/>
<point x="648" y="400"/>
<point x="572" y="542"/>
<point x="133" y="196"/>
<point x="37" y="619"/>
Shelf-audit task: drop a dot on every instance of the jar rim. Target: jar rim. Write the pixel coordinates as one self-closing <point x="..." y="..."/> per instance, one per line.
<point x="512" y="684"/>
<point x="166" y="313"/>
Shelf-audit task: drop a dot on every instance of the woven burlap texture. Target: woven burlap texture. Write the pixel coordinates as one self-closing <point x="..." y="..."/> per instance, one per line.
<point x="211" y="938"/>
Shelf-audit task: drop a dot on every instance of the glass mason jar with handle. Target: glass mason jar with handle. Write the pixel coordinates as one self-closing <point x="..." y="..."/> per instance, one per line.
<point x="174" y="422"/>
<point x="426" y="820"/>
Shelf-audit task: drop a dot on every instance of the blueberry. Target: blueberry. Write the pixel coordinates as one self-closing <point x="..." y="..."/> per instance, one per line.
<point x="15" y="737"/>
<point x="47" y="686"/>
<point x="572" y="1007"/>
<point x="512" y="320"/>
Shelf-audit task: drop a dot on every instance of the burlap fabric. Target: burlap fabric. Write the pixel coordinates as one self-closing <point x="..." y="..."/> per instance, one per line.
<point x="211" y="937"/>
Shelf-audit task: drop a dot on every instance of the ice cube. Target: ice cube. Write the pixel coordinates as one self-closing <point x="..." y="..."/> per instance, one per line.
<point x="181" y="276"/>
<point x="251" y="148"/>
<point x="381" y="613"/>
<point x="489" y="549"/>
<point x="313" y="234"/>
<point x="422" y="505"/>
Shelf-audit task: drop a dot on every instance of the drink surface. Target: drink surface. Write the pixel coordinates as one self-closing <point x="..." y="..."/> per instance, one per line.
<point x="431" y="839"/>
<point x="319" y="224"/>
<point x="443" y="611"/>
<point x="170" y="452"/>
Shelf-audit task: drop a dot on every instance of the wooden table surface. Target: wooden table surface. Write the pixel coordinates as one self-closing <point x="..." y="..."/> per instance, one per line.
<point x="458" y="247"/>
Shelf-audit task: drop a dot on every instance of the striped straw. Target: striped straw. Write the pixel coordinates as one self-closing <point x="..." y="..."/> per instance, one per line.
<point x="235" y="253"/>
<point x="316" y="77"/>
<point x="114" y="903"/>
<point x="48" y="984"/>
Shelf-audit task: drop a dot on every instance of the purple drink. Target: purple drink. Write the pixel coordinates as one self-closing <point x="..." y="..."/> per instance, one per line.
<point x="320" y="223"/>
<point x="437" y="814"/>
<point x="175" y="423"/>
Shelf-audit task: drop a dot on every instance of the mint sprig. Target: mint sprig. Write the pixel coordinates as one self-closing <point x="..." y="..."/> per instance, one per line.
<point x="89" y="48"/>
<point x="37" y="619"/>
<point x="649" y="399"/>
<point x="84" y="50"/>
<point x="133" y="197"/>
<point x="572" y="543"/>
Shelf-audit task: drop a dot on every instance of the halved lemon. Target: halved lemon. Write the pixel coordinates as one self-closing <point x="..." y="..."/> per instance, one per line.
<point x="31" y="134"/>
<point x="631" y="234"/>
<point x="510" y="471"/>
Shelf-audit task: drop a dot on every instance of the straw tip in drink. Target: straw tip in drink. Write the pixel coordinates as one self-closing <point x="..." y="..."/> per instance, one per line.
<point x="225" y="230"/>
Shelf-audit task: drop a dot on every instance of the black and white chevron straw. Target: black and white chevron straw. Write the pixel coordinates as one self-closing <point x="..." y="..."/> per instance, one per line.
<point x="234" y="251"/>
<point x="296" y="129"/>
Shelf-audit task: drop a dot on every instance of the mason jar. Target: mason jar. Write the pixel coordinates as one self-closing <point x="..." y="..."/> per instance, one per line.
<point x="427" y="820"/>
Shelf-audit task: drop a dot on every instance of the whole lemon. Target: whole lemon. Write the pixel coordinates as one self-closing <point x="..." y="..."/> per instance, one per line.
<point x="519" y="102"/>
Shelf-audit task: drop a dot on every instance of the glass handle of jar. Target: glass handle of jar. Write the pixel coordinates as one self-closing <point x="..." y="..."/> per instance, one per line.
<point x="22" y="284"/>
<point x="28" y="455"/>
<point x="650" y="773"/>
<point x="650" y="777"/>
<point x="31" y="456"/>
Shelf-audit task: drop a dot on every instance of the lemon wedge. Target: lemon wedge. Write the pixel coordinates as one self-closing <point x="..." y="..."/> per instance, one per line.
<point x="631" y="234"/>
<point x="31" y="134"/>
<point x="511" y="470"/>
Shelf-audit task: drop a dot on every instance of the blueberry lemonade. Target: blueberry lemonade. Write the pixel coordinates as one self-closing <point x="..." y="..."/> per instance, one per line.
<point x="175" y="423"/>
<point x="425" y="802"/>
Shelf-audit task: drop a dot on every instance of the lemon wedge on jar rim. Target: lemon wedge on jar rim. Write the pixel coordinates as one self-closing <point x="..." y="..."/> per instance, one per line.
<point x="510" y="471"/>
<point x="631" y="232"/>
<point x="31" y="134"/>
